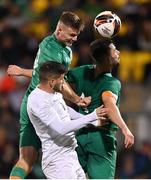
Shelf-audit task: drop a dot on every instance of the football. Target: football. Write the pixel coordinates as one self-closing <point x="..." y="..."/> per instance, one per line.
<point x="107" y="23"/>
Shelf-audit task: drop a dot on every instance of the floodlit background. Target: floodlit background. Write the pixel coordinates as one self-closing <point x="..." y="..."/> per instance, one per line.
<point x="24" y="23"/>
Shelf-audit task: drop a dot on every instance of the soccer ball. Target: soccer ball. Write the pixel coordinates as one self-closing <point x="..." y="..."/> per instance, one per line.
<point x="107" y="24"/>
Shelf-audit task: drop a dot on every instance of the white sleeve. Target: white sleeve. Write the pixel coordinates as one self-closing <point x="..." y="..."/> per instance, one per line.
<point x="74" y="114"/>
<point x="51" y="119"/>
<point x="69" y="126"/>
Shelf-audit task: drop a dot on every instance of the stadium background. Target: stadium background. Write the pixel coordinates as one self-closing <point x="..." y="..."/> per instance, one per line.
<point x="23" y="24"/>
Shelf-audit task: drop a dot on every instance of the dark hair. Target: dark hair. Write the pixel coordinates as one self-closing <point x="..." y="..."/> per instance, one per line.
<point x="72" y="20"/>
<point x="51" y="69"/>
<point x="100" y="50"/>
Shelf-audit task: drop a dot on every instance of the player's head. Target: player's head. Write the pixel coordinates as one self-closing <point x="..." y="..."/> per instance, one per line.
<point x="104" y="52"/>
<point x="68" y="28"/>
<point x="51" y="74"/>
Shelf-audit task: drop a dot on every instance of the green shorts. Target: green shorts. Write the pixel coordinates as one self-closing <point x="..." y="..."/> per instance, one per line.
<point x="28" y="136"/>
<point x="97" y="152"/>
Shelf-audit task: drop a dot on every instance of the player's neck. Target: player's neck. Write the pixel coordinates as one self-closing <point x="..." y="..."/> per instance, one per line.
<point x="46" y="88"/>
<point x="56" y="35"/>
<point x="100" y="69"/>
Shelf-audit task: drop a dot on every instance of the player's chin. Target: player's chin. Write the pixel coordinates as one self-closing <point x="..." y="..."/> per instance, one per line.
<point x="69" y="43"/>
<point x="58" y="88"/>
<point x="118" y="61"/>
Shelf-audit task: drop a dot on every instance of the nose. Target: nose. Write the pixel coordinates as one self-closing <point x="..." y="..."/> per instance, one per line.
<point x="62" y="81"/>
<point x="75" y="38"/>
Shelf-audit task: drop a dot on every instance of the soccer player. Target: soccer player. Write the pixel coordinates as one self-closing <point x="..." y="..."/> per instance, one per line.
<point x="55" y="122"/>
<point x="52" y="48"/>
<point x="97" y="145"/>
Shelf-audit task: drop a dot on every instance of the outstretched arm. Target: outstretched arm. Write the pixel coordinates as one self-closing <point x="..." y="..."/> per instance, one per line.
<point x="69" y="126"/>
<point x="100" y="111"/>
<point x="49" y="116"/>
<point x="14" y="70"/>
<point x="109" y="100"/>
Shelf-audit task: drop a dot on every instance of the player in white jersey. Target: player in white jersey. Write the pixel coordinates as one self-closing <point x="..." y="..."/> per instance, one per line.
<point x="55" y="124"/>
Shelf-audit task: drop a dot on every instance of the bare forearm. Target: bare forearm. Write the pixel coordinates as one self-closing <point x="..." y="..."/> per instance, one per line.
<point x="69" y="94"/>
<point x="109" y="100"/>
<point x="116" y="117"/>
<point x="26" y="72"/>
<point x="14" y="70"/>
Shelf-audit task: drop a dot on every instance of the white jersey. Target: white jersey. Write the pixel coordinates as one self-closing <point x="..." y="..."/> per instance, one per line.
<point x="54" y="123"/>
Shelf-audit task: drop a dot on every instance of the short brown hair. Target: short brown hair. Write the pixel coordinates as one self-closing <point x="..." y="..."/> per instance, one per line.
<point x="72" y="20"/>
<point x="51" y="69"/>
<point x="100" y="50"/>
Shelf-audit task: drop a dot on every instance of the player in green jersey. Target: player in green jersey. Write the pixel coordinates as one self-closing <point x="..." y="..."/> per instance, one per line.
<point x="97" y="146"/>
<point x="53" y="48"/>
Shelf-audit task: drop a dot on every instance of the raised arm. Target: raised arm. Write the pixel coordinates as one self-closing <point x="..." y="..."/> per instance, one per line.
<point x="109" y="100"/>
<point x="14" y="70"/>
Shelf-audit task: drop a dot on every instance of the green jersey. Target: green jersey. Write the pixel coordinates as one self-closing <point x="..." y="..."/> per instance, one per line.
<point x="50" y="49"/>
<point x="88" y="85"/>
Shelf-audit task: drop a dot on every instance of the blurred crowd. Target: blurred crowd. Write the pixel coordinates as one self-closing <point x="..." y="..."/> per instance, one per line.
<point x="24" y="23"/>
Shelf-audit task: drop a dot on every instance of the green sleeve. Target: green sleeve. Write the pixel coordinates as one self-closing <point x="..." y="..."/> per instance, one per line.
<point x="113" y="86"/>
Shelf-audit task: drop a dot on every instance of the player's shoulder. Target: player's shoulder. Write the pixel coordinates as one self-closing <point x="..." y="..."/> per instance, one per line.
<point x="37" y="96"/>
<point x="115" y="80"/>
<point x="79" y="71"/>
<point x="48" y="42"/>
<point x="51" y="42"/>
<point x="82" y="68"/>
<point x="110" y="79"/>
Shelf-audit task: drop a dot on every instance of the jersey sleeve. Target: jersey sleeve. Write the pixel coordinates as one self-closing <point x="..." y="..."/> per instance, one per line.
<point x="74" y="114"/>
<point x="69" y="126"/>
<point x="114" y="86"/>
<point x="48" y="116"/>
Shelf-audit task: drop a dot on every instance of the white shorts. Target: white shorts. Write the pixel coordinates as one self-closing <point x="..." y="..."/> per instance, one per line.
<point x="65" y="167"/>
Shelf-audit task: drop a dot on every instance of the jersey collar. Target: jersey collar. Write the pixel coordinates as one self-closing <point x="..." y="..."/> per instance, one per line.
<point x="103" y="73"/>
<point x="108" y="74"/>
<point x="59" y="42"/>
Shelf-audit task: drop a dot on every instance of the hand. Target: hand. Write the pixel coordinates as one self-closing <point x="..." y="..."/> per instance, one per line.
<point x="102" y="113"/>
<point x="103" y="121"/>
<point x="84" y="102"/>
<point x="129" y="138"/>
<point x="14" y="70"/>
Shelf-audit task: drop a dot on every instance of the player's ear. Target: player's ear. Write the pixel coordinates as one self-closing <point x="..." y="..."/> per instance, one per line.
<point x="59" y="29"/>
<point x="51" y="83"/>
<point x="60" y="26"/>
